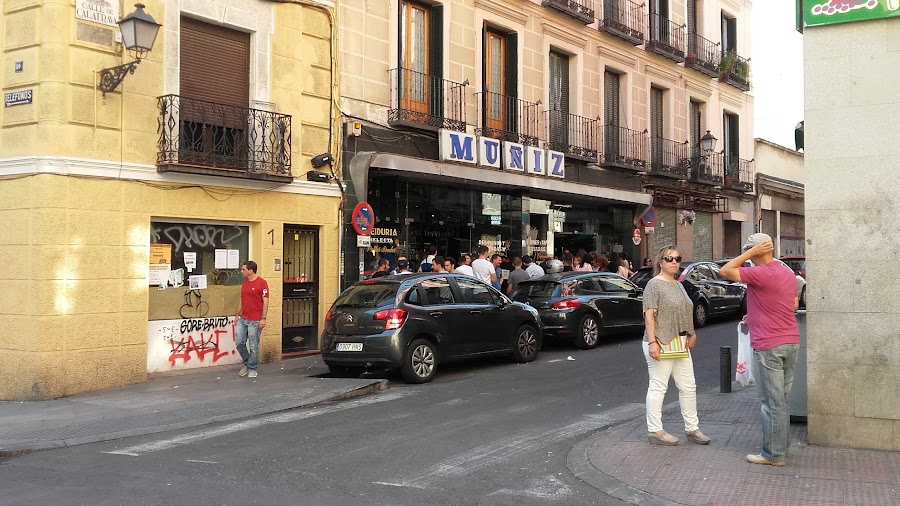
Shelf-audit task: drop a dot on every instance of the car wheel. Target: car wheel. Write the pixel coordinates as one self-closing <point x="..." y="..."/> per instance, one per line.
<point x="338" y="371"/>
<point x="525" y="344"/>
<point x="419" y="362"/>
<point x="588" y="336"/>
<point x="701" y="313"/>
<point x="803" y="297"/>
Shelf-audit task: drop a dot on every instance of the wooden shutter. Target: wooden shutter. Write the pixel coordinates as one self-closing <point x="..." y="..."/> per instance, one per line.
<point x="656" y="125"/>
<point x="215" y="63"/>
<point x="611" y="98"/>
<point x="692" y="16"/>
<point x="559" y="98"/>
<point x="695" y="128"/>
<point x="436" y="61"/>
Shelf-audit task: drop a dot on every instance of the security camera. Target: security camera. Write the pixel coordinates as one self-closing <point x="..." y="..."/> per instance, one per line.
<point x="320" y="160"/>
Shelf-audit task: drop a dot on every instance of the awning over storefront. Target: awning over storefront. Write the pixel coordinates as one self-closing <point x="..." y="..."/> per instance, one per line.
<point x="434" y="171"/>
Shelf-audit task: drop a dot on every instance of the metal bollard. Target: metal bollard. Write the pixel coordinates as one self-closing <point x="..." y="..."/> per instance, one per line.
<point x="725" y="369"/>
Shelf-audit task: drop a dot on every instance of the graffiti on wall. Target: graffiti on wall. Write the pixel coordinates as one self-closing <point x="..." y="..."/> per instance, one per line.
<point x="190" y="343"/>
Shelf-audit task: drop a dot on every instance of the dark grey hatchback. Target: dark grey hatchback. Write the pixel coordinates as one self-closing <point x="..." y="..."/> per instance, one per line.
<point x="583" y="306"/>
<point x="416" y="322"/>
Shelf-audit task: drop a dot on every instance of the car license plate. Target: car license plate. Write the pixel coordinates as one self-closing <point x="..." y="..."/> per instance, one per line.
<point x="349" y="346"/>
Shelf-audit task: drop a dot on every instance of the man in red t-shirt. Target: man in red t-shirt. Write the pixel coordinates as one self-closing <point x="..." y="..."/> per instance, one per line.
<point x="774" y="336"/>
<point x="251" y="317"/>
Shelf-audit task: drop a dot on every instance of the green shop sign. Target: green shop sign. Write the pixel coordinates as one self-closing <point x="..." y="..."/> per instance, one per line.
<point x="829" y="12"/>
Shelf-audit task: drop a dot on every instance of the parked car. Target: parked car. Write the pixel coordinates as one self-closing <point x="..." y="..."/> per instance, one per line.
<point x="583" y="306"/>
<point x="711" y="294"/>
<point x="797" y="264"/>
<point x="416" y="322"/>
<point x="801" y="282"/>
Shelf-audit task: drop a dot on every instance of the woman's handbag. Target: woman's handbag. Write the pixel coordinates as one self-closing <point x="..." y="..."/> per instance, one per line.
<point x="677" y="348"/>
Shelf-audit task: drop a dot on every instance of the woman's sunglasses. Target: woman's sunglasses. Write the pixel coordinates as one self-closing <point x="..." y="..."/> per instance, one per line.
<point x="672" y="259"/>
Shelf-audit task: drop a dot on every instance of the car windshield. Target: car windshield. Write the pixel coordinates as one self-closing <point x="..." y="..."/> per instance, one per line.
<point x="367" y="295"/>
<point x="796" y="264"/>
<point x="642" y="276"/>
<point x="536" y="289"/>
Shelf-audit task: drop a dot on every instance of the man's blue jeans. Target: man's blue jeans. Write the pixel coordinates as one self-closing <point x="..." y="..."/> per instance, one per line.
<point x="246" y="340"/>
<point x="774" y="374"/>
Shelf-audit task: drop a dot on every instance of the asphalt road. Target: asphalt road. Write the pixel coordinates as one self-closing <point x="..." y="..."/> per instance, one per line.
<point x="489" y="432"/>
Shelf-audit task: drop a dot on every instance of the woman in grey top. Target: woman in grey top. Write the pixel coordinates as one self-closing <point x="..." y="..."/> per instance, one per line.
<point x="668" y="312"/>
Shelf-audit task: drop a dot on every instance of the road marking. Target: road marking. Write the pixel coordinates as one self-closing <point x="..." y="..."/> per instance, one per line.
<point x="489" y="454"/>
<point x="549" y="488"/>
<point x="291" y="416"/>
<point x="201" y="461"/>
<point x="554" y="360"/>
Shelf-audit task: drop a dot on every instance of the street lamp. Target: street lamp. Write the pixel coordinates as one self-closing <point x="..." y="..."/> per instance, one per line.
<point x="139" y="31"/>
<point x="708" y="142"/>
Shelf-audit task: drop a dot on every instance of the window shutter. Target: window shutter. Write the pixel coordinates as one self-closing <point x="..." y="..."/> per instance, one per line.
<point x="559" y="99"/>
<point x="692" y="16"/>
<point x="436" y="61"/>
<point x="695" y="128"/>
<point x="511" y="73"/>
<point x="215" y="63"/>
<point x="656" y="125"/>
<point x="611" y="98"/>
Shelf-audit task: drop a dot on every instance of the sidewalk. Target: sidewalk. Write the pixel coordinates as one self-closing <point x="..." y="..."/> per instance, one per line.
<point x="188" y="399"/>
<point x="620" y="462"/>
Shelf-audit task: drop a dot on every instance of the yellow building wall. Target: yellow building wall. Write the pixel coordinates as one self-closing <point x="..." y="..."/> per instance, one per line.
<point x="75" y="302"/>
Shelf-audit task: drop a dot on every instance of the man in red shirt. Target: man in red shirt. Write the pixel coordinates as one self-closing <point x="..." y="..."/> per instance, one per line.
<point x="774" y="337"/>
<point x="251" y="317"/>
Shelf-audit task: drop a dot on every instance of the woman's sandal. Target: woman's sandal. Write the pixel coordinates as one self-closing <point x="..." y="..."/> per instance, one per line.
<point x="662" y="438"/>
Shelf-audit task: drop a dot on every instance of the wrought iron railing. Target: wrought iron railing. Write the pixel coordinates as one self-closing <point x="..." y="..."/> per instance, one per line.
<point x="576" y="136"/>
<point x="738" y="174"/>
<point x="624" y="148"/>
<point x="210" y="135"/>
<point x="508" y="118"/>
<point x="579" y="9"/>
<point x="702" y="55"/>
<point x="666" y="38"/>
<point x="735" y="70"/>
<point x="624" y="19"/>
<point x="705" y="167"/>
<point x="425" y="101"/>
<point x="667" y="157"/>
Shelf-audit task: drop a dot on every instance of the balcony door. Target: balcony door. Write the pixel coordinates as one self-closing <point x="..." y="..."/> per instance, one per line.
<point x="213" y="112"/>
<point x="500" y="106"/>
<point x="414" y="35"/>
<point x="559" y="100"/>
<point x="656" y="127"/>
<point x="659" y="20"/>
<point x="732" y="143"/>
<point x="611" y="104"/>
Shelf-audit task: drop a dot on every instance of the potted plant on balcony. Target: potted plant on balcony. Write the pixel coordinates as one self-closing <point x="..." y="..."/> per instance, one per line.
<point x="733" y="67"/>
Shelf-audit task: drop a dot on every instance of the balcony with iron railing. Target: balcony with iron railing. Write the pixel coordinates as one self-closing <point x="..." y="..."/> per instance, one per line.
<point x="702" y="55"/>
<point x="508" y="118"/>
<point x="426" y="102"/>
<point x="579" y="9"/>
<point x="738" y="174"/>
<point x="705" y="167"/>
<point x="624" y="19"/>
<point x="734" y="70"/>
<point x="667" y="158"/>
<point x="624" y="148"/>
<point x="666" y="38"/>
<point x="201" y="137"/>
<point x="576" y="136"/>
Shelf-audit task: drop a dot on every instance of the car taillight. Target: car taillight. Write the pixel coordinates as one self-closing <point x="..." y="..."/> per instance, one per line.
<point x="328" y="316"/>
<point x="393" y="318"/>
<point x="566" y="304"/>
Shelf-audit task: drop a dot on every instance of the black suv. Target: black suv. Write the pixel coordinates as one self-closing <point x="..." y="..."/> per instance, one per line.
<point x="415" y="322"/>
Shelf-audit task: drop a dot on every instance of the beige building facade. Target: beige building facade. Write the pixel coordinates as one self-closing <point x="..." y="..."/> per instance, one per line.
<point x="780" y="179"/>
<point x="624" y="90"/>
<point x="125" y="213"/>
<point x="851" y="159"/>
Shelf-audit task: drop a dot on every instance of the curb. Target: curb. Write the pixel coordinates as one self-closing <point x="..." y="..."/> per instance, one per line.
<point x="579" y="464"/>
<point x="23" y="448"/>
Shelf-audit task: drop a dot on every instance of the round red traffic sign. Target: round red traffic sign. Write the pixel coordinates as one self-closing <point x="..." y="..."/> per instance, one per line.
<point x="649" y="218"/>
<point x="636" y="236"/>
<point x="363" y="218"/>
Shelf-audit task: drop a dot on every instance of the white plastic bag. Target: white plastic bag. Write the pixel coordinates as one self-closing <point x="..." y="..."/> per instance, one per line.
<point x="743" y="372"/>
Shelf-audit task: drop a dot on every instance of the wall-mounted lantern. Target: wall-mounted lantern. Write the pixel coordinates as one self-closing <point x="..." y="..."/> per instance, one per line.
<point x="708" y="142"/>
<point x="139" y="31"/>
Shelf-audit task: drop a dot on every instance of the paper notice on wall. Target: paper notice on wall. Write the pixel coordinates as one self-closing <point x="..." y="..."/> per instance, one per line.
<point x="221" y="259"/>
<point x="176" y="278"/>
<point x="234" y="259"/>
<point x="197" y="282"/>
<point x="190" y="260"/>
<point x="160" y="254"/>
<point x="159" y="274"/>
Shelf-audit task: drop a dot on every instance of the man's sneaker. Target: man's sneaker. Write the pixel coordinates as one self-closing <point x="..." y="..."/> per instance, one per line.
<point x="244" y="370"/>
<point x="759" y="459"/>
<point x="253" y="375"/>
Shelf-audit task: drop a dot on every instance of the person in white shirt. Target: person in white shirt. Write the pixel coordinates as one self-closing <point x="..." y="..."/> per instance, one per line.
<point x="483" y="268"/>
<point x="465" y="265"/>
<point x="534" y="270"/>
<point x="403" y="266"/>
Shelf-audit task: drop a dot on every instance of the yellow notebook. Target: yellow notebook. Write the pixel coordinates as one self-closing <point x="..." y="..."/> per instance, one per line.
<point x="677" y="348"/>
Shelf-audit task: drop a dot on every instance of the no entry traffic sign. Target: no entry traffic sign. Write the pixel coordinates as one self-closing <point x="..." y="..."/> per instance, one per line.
<point x="363" y="218"/>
